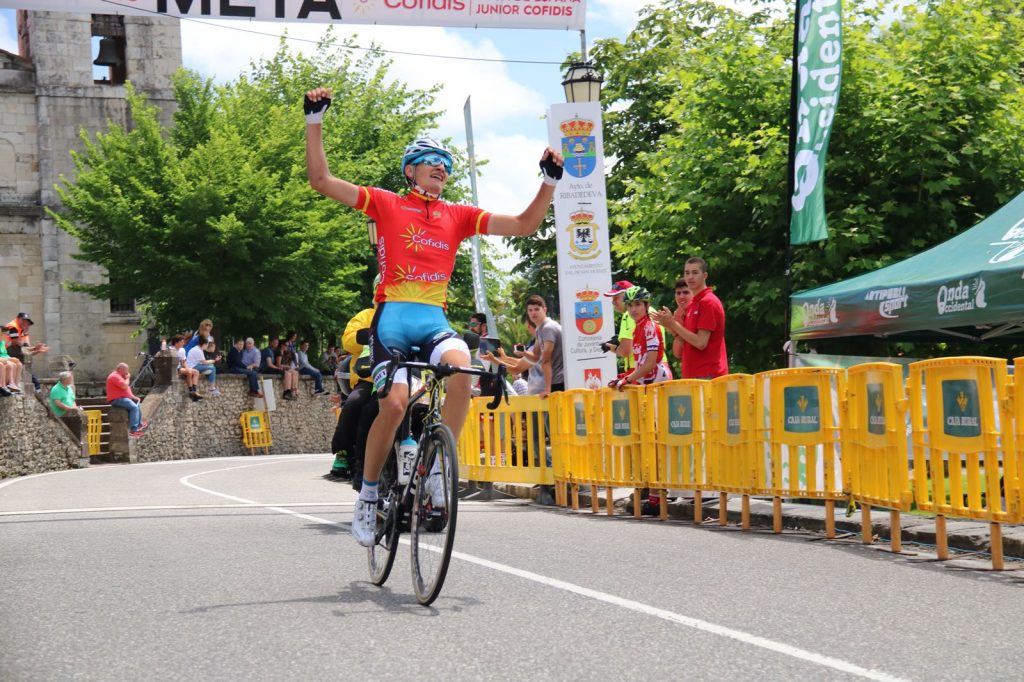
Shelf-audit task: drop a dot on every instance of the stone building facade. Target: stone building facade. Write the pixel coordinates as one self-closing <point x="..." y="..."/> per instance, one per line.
<point x="48" y="95"/>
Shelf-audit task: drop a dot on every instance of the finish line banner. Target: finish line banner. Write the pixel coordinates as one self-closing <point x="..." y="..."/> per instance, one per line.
<point x="553" y="14"/>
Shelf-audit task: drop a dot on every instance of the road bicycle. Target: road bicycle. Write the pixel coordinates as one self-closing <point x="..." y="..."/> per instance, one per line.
<point x="409" y="507"/>
<point x="145" y="377"/>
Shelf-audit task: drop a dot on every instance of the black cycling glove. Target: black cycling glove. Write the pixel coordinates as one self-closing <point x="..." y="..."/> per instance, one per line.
<point x="550" y="170"/>
<point x="315" y="110"/>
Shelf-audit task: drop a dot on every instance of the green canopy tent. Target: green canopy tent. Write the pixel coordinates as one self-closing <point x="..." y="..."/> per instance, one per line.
<point x="971" y="286"/>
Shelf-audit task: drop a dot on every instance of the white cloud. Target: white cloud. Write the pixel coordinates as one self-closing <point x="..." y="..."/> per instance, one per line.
<point x="215" y="49"/>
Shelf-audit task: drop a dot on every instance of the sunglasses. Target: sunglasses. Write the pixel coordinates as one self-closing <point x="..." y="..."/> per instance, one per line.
<point x="435" y="159"/>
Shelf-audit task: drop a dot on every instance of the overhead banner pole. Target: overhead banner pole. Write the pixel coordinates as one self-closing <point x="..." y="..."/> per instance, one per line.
<point x="479" y="287"/>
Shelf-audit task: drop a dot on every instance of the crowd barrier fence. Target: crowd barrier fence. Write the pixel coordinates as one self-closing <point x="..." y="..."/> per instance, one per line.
<point x="948" y="440"/>
<point x="875" y="444"/>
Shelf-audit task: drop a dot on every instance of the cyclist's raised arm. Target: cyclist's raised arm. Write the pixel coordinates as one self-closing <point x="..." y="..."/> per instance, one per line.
<point x="527" y="222"/>
<point x="320" y="178"/>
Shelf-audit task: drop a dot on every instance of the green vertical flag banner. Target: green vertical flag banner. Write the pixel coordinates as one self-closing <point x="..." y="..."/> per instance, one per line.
<point x="818" y="49"/>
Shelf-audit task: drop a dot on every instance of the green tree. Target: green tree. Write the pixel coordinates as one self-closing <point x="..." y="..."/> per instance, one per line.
<point x="926" y="141"/>
<point x="215" y="217"/>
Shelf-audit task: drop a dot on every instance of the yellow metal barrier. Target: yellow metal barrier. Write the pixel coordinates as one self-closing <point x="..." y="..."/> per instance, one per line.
<point x="801" y="432"/>
<point x="508" y="444"/>
<point x="622" y="461"/>
<point x="94" y="425"/>
<point x="875" y="444"/>
<point x="732" y="444"/>
<point x="576" y="443"/>
<point x="256" y="431"/>
<point x="961" y="425"/>
<point x="674" y="429"/>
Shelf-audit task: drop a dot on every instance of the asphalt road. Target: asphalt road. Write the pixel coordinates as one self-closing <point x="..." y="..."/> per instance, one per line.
<point x="242" y="568"/>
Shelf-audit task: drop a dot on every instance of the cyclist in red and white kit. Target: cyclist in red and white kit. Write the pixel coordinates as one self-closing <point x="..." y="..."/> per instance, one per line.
<point x="648" y="343"/>
<point x="418" y="235"/>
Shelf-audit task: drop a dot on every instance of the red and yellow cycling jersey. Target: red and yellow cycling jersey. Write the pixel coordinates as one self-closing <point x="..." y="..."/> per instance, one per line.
<point x="647" y="339"/>
<point x="417" y="240"/>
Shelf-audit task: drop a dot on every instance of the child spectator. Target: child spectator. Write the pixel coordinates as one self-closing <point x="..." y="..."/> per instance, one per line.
<point x="10" y="373"/>
<point x="188" y="375"/>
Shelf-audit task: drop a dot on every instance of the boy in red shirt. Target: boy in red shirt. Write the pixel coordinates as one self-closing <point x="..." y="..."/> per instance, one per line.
<point x="703" y="327"/>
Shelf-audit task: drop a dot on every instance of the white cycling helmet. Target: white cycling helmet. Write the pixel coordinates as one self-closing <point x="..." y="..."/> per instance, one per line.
<point x="422" y="146"/>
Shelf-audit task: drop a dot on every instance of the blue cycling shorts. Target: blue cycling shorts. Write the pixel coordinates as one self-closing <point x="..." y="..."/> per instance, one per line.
<point x="404" y="326"/>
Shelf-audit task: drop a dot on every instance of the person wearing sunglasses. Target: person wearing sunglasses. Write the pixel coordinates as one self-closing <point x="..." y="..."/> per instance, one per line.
<point x="418" y="236"/>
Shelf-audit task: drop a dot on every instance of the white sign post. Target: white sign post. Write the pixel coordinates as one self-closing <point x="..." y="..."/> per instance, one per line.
<point x="584" y="258"/>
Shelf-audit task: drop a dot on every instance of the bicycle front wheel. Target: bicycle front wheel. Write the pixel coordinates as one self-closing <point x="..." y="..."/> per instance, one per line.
<point x="434" y="510"/>
<point x="381" y="556"/>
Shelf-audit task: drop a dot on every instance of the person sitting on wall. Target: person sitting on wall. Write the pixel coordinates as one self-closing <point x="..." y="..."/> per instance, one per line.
<point x="188" y="375"/>
<point x="10" y="373"/>
<point x="119" y="394"/>
<point x="307" y="369"/>
<point x="196" y="359"/>
<point x="62" y="402"/>
<point x="236" y="365"/>
<point x="285" y="359"/>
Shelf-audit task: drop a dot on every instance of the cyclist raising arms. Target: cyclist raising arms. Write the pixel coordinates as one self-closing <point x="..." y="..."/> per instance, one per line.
<point x="418" y="235"/>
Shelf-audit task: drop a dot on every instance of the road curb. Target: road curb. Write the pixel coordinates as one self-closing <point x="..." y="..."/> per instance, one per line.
<point x="968" y="536"/>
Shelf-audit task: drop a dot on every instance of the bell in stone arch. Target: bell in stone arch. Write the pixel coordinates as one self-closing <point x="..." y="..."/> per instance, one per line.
<point x="109" y="54"/>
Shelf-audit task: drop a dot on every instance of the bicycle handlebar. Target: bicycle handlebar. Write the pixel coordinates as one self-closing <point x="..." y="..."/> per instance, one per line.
<point x="443" y="370"/>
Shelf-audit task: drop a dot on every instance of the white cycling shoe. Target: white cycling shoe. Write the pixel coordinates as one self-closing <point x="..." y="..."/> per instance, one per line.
<point x="364" y="522"/>
<point x="435" y="486"/>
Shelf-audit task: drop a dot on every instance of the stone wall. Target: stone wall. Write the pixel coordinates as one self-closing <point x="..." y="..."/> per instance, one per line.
<point x="182" y="429"/>
<point x="32" y="440"/>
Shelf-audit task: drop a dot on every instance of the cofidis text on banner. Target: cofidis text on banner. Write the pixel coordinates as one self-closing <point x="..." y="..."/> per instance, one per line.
<point x="553" y="14"/>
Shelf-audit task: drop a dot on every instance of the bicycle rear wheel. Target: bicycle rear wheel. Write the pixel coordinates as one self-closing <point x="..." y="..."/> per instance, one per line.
<point x="380" y="556"/>
<point x="434" y="511"/>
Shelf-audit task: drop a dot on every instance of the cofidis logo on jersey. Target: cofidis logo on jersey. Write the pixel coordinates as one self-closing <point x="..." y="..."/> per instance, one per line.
<point x="578" y="147"/>
<point x="416" y="239"/>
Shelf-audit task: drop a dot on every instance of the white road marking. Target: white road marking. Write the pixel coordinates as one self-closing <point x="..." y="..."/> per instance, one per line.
<point x="629" y="604"/>
<point x="171" y="507"/>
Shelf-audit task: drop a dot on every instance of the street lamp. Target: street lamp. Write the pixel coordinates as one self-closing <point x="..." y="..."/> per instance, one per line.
<point x="371" y="233"/>
<point x="582" y="83"/>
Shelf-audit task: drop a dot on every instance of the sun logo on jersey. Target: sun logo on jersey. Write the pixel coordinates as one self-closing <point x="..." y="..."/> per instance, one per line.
<point x="410" y="237"/>
<point x="416" y="239"/>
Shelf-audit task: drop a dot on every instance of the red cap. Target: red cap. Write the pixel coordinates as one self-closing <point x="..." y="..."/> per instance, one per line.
<point x="619" y="287"/>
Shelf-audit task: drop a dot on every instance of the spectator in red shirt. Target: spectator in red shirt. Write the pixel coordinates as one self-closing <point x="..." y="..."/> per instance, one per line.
<point x="683" y="297"/>
<point x="119" y="394"/>
<point x="703" y="327"/>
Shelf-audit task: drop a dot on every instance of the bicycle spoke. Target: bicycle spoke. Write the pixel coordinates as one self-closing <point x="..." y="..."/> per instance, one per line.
<point x="381" y="556"/>
<point x="434" y="512"/>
